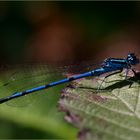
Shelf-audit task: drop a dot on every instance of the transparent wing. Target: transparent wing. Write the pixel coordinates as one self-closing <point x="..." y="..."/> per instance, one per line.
<point x="23" y="77"/>
<point x="19" y="79"/>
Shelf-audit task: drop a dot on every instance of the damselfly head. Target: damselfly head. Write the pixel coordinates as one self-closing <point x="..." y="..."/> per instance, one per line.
<point x="132" y="59"/>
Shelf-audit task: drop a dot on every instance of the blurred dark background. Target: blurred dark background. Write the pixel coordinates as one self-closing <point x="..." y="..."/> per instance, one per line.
<point x="60" y="32"/>
<point x="63" y="31"/>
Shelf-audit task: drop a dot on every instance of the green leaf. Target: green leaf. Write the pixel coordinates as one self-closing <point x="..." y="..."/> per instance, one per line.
<point x="111" y="113"/>
<point x="36" y="112"/>
<point x="42" y="116"/>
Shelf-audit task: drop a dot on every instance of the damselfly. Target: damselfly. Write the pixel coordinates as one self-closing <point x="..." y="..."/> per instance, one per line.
<point x="114" y="65"/>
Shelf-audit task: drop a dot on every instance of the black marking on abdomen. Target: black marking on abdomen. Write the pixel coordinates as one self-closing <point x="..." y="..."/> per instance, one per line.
<point x="47" y="86"/>
<point x="24" y="92"/>
<point x="71" y="78"/>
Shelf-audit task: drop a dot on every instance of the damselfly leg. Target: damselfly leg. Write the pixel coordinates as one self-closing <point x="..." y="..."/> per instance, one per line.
<point x="107" y="77"/>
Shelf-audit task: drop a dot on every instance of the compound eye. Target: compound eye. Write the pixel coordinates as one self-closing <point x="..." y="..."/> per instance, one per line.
<point x="131" y="58"/>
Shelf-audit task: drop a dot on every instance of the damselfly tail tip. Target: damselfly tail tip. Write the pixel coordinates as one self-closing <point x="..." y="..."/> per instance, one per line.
<point x="2" y="100"/>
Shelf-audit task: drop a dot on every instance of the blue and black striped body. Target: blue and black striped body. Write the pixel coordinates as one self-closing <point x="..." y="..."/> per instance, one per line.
<point x="109" y="65"/>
